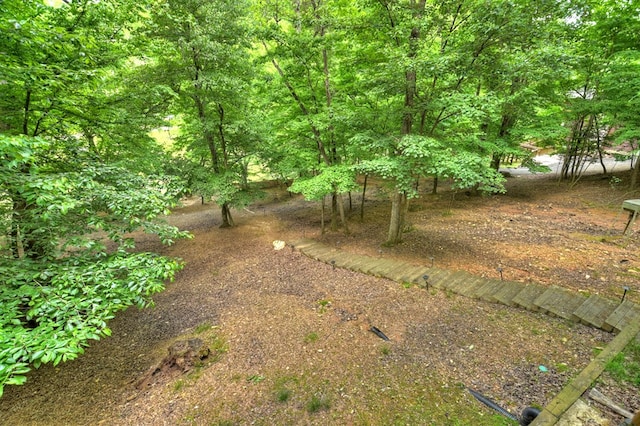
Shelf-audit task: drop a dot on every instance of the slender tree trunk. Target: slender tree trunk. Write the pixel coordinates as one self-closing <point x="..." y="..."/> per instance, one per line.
<point x="25" y="119"/>
<point x="399" y="207"/>
<point x="227" y="220"/>
<point x="635" y="174"/>
<point x="399" y="201"/>
<point x="322" y="152"/>
<point x="322" y="218"/>
<point x="15" y="234"/>
<point x="342" y="215"/>
<point x="495" y="160"/>
<point x="364" y="193"/>
<point x="334" y="211"/>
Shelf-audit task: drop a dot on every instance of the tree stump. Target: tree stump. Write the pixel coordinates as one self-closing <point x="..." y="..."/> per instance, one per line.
<point x="182" y="356"/>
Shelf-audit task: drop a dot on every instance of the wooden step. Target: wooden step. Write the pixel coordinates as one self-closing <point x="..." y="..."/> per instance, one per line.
<point x="397" y="271"/>
<point x="340" y="258"/>
<point x="507" y="292"/>
<point x="488" y="289"/>
<point x="560" y="302"/>
<point x="469" y="288"/>
<point x="318" y="252"/>
<point x="438" y="279"/>
<point x="454" y="279"/>
<point x="528" y="295"/>
<point x="371" y="264"/>
<point x="303" y="243"/>
<point x="411" y="274"/>
<point x="354" y="261"/>
<point x="595" y="311"/>
<point x="382" y="266"/>
<point x="624" y="314"/>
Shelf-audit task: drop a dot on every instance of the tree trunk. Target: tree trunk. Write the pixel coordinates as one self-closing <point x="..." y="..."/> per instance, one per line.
<point x="495" y="161"/>
<point x="227" y="220"/>
<point x="635" y="175"/>
<point x="399" y="207"/>
<point x="364" y="193"/>
<point x="342" y="216"/>
<point x="334" y="211"/>
<point x="399" y="202"/>
<point x="16" y="247"/>
<point x="322" y="218"/>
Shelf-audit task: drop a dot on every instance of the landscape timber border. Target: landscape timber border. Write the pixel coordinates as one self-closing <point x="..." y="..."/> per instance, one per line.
<point x="621" y="318"/>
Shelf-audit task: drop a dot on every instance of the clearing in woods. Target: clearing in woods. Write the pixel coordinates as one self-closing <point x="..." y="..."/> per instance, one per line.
<point x="287" y="338"/>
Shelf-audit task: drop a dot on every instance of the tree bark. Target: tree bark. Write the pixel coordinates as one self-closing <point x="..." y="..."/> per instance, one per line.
<point x="342" y="215"/>
<point x="227" y="220"/>
<point x="334" y="211"/>
<point x="399" y="206"/>
<point x="399" y="201"/>
<point x="635" y="175"/>
<point x="364" y="193"/>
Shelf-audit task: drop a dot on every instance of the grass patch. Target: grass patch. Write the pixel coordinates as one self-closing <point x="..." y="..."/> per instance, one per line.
<point x="625" y="367"/>
<point x="324" y="305"/>
<point x="317" y="403"/>
<point x="205" y="326"/>
<point x="385" y="350"/>
<point x="283" y="394"/>
<point x="256" y="378"/>
<point x="311" y="337"/>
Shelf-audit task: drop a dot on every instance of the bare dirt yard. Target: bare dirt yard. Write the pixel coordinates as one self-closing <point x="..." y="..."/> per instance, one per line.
<point x="285" y="339"/>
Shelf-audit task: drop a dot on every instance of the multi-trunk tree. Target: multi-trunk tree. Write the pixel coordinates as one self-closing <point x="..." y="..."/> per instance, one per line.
<point x="453" y="67"/>
<point x="306" y="50"/>
<point x="202" y="56"/>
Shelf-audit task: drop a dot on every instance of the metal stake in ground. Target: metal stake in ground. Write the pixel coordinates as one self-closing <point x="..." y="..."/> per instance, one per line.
<point x="626" y="289"/>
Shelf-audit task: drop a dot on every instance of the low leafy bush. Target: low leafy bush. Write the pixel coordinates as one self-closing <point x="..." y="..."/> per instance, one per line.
<point x="50" y="311"/>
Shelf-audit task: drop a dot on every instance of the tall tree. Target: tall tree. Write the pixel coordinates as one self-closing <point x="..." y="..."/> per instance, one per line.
<point x="205" y="59"/>
<point x="604" y="37"/>
<point x="304" y="45"/>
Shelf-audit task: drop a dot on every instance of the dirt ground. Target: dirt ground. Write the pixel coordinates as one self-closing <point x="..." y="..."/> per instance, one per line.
<point x="292" y="335"/>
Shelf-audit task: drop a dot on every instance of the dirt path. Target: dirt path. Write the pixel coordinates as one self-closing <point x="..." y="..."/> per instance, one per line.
<point x="296" y="331"/>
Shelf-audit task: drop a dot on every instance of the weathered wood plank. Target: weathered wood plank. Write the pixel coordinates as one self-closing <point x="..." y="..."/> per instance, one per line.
<point x="560" y="302"/>
<point x="595" y="311"/>
<point x="487" y="290"/>
<point x="458" y="281"/>
<point x="438" y="278"/>
<point x="470" y="286"/>
<point x="624" y="314"/>
<point x="528" y="295"/>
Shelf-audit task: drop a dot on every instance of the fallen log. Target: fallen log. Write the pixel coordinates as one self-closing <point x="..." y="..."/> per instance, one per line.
<point x="597" y="396"/>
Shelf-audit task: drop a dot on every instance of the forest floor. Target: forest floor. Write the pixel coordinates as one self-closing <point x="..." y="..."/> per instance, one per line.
<point x="289" y="335"/>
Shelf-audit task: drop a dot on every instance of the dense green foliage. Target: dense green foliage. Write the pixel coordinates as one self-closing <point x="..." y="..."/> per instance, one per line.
<point x="60" y="283"/>
<point x="78" y="172"/>
<point x="311" y="92"/>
